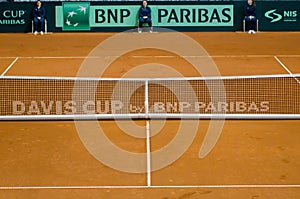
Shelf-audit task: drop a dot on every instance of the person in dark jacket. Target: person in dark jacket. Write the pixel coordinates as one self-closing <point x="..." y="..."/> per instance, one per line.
<point x="145" y="16"/>
<point x="250" y="16"/>
<point x="39" y="18"/>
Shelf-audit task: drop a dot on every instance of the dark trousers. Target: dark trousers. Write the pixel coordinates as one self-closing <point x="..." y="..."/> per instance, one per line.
<point x="251" y="23"/>
<point x="142" y="22"/>
<point x="38" y="24"/>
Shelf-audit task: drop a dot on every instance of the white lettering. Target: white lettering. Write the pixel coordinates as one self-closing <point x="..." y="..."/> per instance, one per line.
<point x="18" y="107"/>
<point x="34" y="108"/>
<point x="172" y="107"/>
<point x="183" y="105"/>
<point x="199" y="105"/>
<point x="210" y="107"/>
<point x="240" y="106"/>
<point x="47" y="109"/>
<point x="70" y="107"/>
<point x="58" y="106"/>
<point x="116" y="105"/>
<point x="222" y="107"/>
<point x="253" y="107"/>
<point x="264" y="106"/>
<point x="159" y="107"/>
<point x="106" y="107"/>
<point x="89" y="107"/>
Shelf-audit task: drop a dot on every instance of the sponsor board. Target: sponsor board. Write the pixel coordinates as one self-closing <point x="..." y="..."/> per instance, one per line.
<point x="276" y="15"/>
<point x="13" y="17"/>
<point x="127" y="16"/>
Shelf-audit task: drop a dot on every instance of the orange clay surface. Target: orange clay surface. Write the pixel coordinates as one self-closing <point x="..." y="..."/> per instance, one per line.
<point x="42" y="155"/>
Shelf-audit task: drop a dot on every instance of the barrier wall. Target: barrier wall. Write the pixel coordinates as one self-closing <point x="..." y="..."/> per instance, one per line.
<point x="180" y="16"/>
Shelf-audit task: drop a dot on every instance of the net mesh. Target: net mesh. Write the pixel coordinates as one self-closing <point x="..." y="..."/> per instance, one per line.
<point x="46" y="97"/>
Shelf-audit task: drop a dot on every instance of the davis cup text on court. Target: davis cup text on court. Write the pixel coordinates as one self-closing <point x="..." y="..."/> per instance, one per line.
<point x="117" y="106"/>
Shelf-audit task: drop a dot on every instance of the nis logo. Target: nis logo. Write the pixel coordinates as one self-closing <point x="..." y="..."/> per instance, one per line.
<point x="276" y="16"/>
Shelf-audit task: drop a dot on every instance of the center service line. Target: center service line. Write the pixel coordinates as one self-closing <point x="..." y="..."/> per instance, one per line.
<point x="148" y="154"/>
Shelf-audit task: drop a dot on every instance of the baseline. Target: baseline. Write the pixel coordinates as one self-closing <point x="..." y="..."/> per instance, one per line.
<point x="155" y="187"/>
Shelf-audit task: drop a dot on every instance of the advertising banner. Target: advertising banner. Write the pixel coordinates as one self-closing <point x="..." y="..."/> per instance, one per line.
<point x="127" y="16"/>
<point x="15" y="17"/>
<point x="282" y="16"/>
<point x="180" y="16"/>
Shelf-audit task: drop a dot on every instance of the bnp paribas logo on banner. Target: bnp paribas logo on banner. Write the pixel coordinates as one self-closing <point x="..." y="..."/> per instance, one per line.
<point x="76" y="16"/>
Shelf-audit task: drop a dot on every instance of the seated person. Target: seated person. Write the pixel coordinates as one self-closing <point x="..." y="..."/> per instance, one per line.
<point x="39" y="18"/>
<point x="250" y="16"/>
<point x="145" y="16"/>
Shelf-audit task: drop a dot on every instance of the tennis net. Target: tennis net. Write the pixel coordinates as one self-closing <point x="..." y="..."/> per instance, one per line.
<point x="229" y="97"/>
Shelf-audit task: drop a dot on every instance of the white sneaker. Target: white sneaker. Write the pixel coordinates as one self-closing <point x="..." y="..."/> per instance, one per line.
<point x="42" y="32"/>
<point x="253" y="32"/>
<point x="249" y="32"/>
<point x="139" y="31"/>
<point x="35" y="33"/>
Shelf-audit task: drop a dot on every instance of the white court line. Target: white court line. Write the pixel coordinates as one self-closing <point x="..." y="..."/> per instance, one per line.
<point x="288" y="56"/>
<point x="148" y="154"/>
<point x="16" y="59"/>
<point x="155" y="187"/>
<point x="150" y="56"/>
<point x="297" y="80"/>
<point x="199" y="56"/>
<point x="56" y="57"/>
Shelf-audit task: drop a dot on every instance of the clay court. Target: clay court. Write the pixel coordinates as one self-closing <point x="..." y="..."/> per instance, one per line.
<point x="252" y="158"/>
